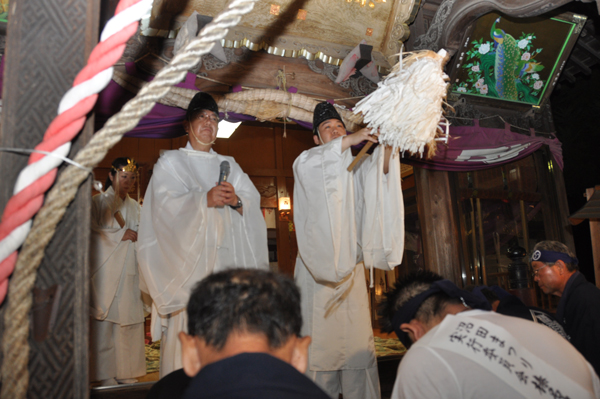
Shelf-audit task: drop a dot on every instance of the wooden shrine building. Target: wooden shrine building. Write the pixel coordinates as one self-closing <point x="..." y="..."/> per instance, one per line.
<point x="500" y="186"/>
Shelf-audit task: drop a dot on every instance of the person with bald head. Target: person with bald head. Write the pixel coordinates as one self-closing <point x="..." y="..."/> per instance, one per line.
<point x="556" y="271"/>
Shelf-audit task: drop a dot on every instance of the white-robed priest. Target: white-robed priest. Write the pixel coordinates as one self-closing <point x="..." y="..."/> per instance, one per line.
<point x="191" y="226"/>
<point x="345" y="221"/>
<point x="117" y="325"/>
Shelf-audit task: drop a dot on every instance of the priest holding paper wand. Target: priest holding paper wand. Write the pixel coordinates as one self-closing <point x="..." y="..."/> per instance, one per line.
<point x="346" y="222"/>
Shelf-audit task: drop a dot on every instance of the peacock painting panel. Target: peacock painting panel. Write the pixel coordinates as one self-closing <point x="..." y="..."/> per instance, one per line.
<point x="511" y="59"/>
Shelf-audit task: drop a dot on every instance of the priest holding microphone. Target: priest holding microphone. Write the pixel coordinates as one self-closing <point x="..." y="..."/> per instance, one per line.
<point x="192" y="225"/>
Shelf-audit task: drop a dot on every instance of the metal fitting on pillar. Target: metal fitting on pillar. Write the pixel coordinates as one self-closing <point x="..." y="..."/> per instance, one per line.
<point x="518" y="271"/>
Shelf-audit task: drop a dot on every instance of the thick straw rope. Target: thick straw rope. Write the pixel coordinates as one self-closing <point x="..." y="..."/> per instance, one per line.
<point x="264" y="104"/>
<point x="15" y="375"/>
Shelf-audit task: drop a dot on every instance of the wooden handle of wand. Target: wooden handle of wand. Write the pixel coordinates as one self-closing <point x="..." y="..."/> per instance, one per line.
<point x="360" y="155"/>
<point x="120" y="219"/>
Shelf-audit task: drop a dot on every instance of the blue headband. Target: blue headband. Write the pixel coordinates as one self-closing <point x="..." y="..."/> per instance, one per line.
<point x="407" y="312"/>
<point x="540" y="255"/>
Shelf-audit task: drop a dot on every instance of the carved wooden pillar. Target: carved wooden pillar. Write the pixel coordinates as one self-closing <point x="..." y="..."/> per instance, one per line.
<point x="48" y="43"/>
<point x="439" y="227"/>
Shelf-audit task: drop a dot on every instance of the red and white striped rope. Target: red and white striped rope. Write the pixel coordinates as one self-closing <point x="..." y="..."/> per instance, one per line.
<point x="37" y="177"/>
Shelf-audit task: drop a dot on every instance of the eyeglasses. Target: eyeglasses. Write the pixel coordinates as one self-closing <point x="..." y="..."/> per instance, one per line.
<point x="207" y="115"/>
<point x="536" y="271"/>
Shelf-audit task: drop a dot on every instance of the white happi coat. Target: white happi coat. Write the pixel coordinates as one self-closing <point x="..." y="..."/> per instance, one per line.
<point x="342" y="218"/>
<point x="114" y="277"/>
<point x="182" y="240"/>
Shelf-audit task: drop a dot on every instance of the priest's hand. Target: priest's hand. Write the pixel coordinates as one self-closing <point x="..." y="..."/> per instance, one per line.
<point x="129" y="235"/>
<point x="221" y="195"/>
<point x="357" y="138"/>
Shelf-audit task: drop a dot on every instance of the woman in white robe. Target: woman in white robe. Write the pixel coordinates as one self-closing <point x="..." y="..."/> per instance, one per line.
<point x="117" y="325"/>
<point x="191" y="226"/>
<point x="342" y="218"/>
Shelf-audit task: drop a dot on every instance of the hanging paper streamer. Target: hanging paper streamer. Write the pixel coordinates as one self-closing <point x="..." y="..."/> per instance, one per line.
<point x="407" y="107"/>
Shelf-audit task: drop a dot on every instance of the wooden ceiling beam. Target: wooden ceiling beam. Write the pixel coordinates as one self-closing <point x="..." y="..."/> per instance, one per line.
<point x="451" y="19"/>
<point x="586" y="45"/>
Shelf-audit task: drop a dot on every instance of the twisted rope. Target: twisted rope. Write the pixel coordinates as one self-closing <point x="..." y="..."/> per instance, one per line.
<point x="37" y="177"/>
<point x="15" y="345"/>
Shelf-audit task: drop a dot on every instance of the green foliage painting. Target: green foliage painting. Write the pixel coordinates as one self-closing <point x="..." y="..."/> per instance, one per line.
<point x="513" y="60"/>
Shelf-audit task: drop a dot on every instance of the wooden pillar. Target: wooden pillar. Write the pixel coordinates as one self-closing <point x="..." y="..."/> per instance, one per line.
<point x="554" y="204"/>
<point x="439" y="227"/>
<point x="595" y="235"/>
<point x="566" y="230"/>
<point x="284" y="247"/>
<point x="47" y="44"/>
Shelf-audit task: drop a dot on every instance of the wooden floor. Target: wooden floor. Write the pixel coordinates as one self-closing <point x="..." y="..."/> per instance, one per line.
<point x="150" y="377"/>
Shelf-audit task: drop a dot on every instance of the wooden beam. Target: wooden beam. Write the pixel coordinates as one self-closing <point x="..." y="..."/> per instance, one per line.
<point x="451" y="20"/>
<point x="260" y="69"/>
<point x="584" y="44"/>
<point x="595" y="235"/>
<point x="580" y="64"/>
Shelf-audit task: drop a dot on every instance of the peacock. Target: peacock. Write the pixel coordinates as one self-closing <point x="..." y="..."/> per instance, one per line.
<point x="508" y="67"/>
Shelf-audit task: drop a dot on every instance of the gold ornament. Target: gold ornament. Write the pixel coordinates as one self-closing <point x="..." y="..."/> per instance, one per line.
<point x="130" y="167"/>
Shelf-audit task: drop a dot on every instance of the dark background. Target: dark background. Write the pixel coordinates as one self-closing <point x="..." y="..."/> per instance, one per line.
<point x="576" y="112"/>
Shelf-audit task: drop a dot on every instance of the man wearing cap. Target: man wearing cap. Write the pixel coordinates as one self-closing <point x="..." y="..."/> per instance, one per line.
<point x="458" y="349"/>
<point x="190" y="226"/>
<point x="556" y="271"/>
<point x="342" y="218"/>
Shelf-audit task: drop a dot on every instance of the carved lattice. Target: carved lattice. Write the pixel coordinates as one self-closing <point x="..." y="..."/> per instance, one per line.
<point x="46" y="48"/>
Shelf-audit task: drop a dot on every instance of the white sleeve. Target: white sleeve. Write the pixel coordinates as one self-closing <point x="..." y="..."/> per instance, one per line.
<point x="108" y="256"/>
<point x="181" y="240"/>
<point x="178" y="232"/>
<point x="381" y="214"/>
<point x="104" y="239"/>
<point x="324" y="212"/>
<point x="249" y="230"/>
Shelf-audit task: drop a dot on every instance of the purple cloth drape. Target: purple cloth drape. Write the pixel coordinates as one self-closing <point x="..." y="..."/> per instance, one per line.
<point x="474" y="147"/>
<point x="162" y="122"/>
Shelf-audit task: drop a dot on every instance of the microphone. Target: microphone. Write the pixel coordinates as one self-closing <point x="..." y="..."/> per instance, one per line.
<point x="224" y="172"/>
